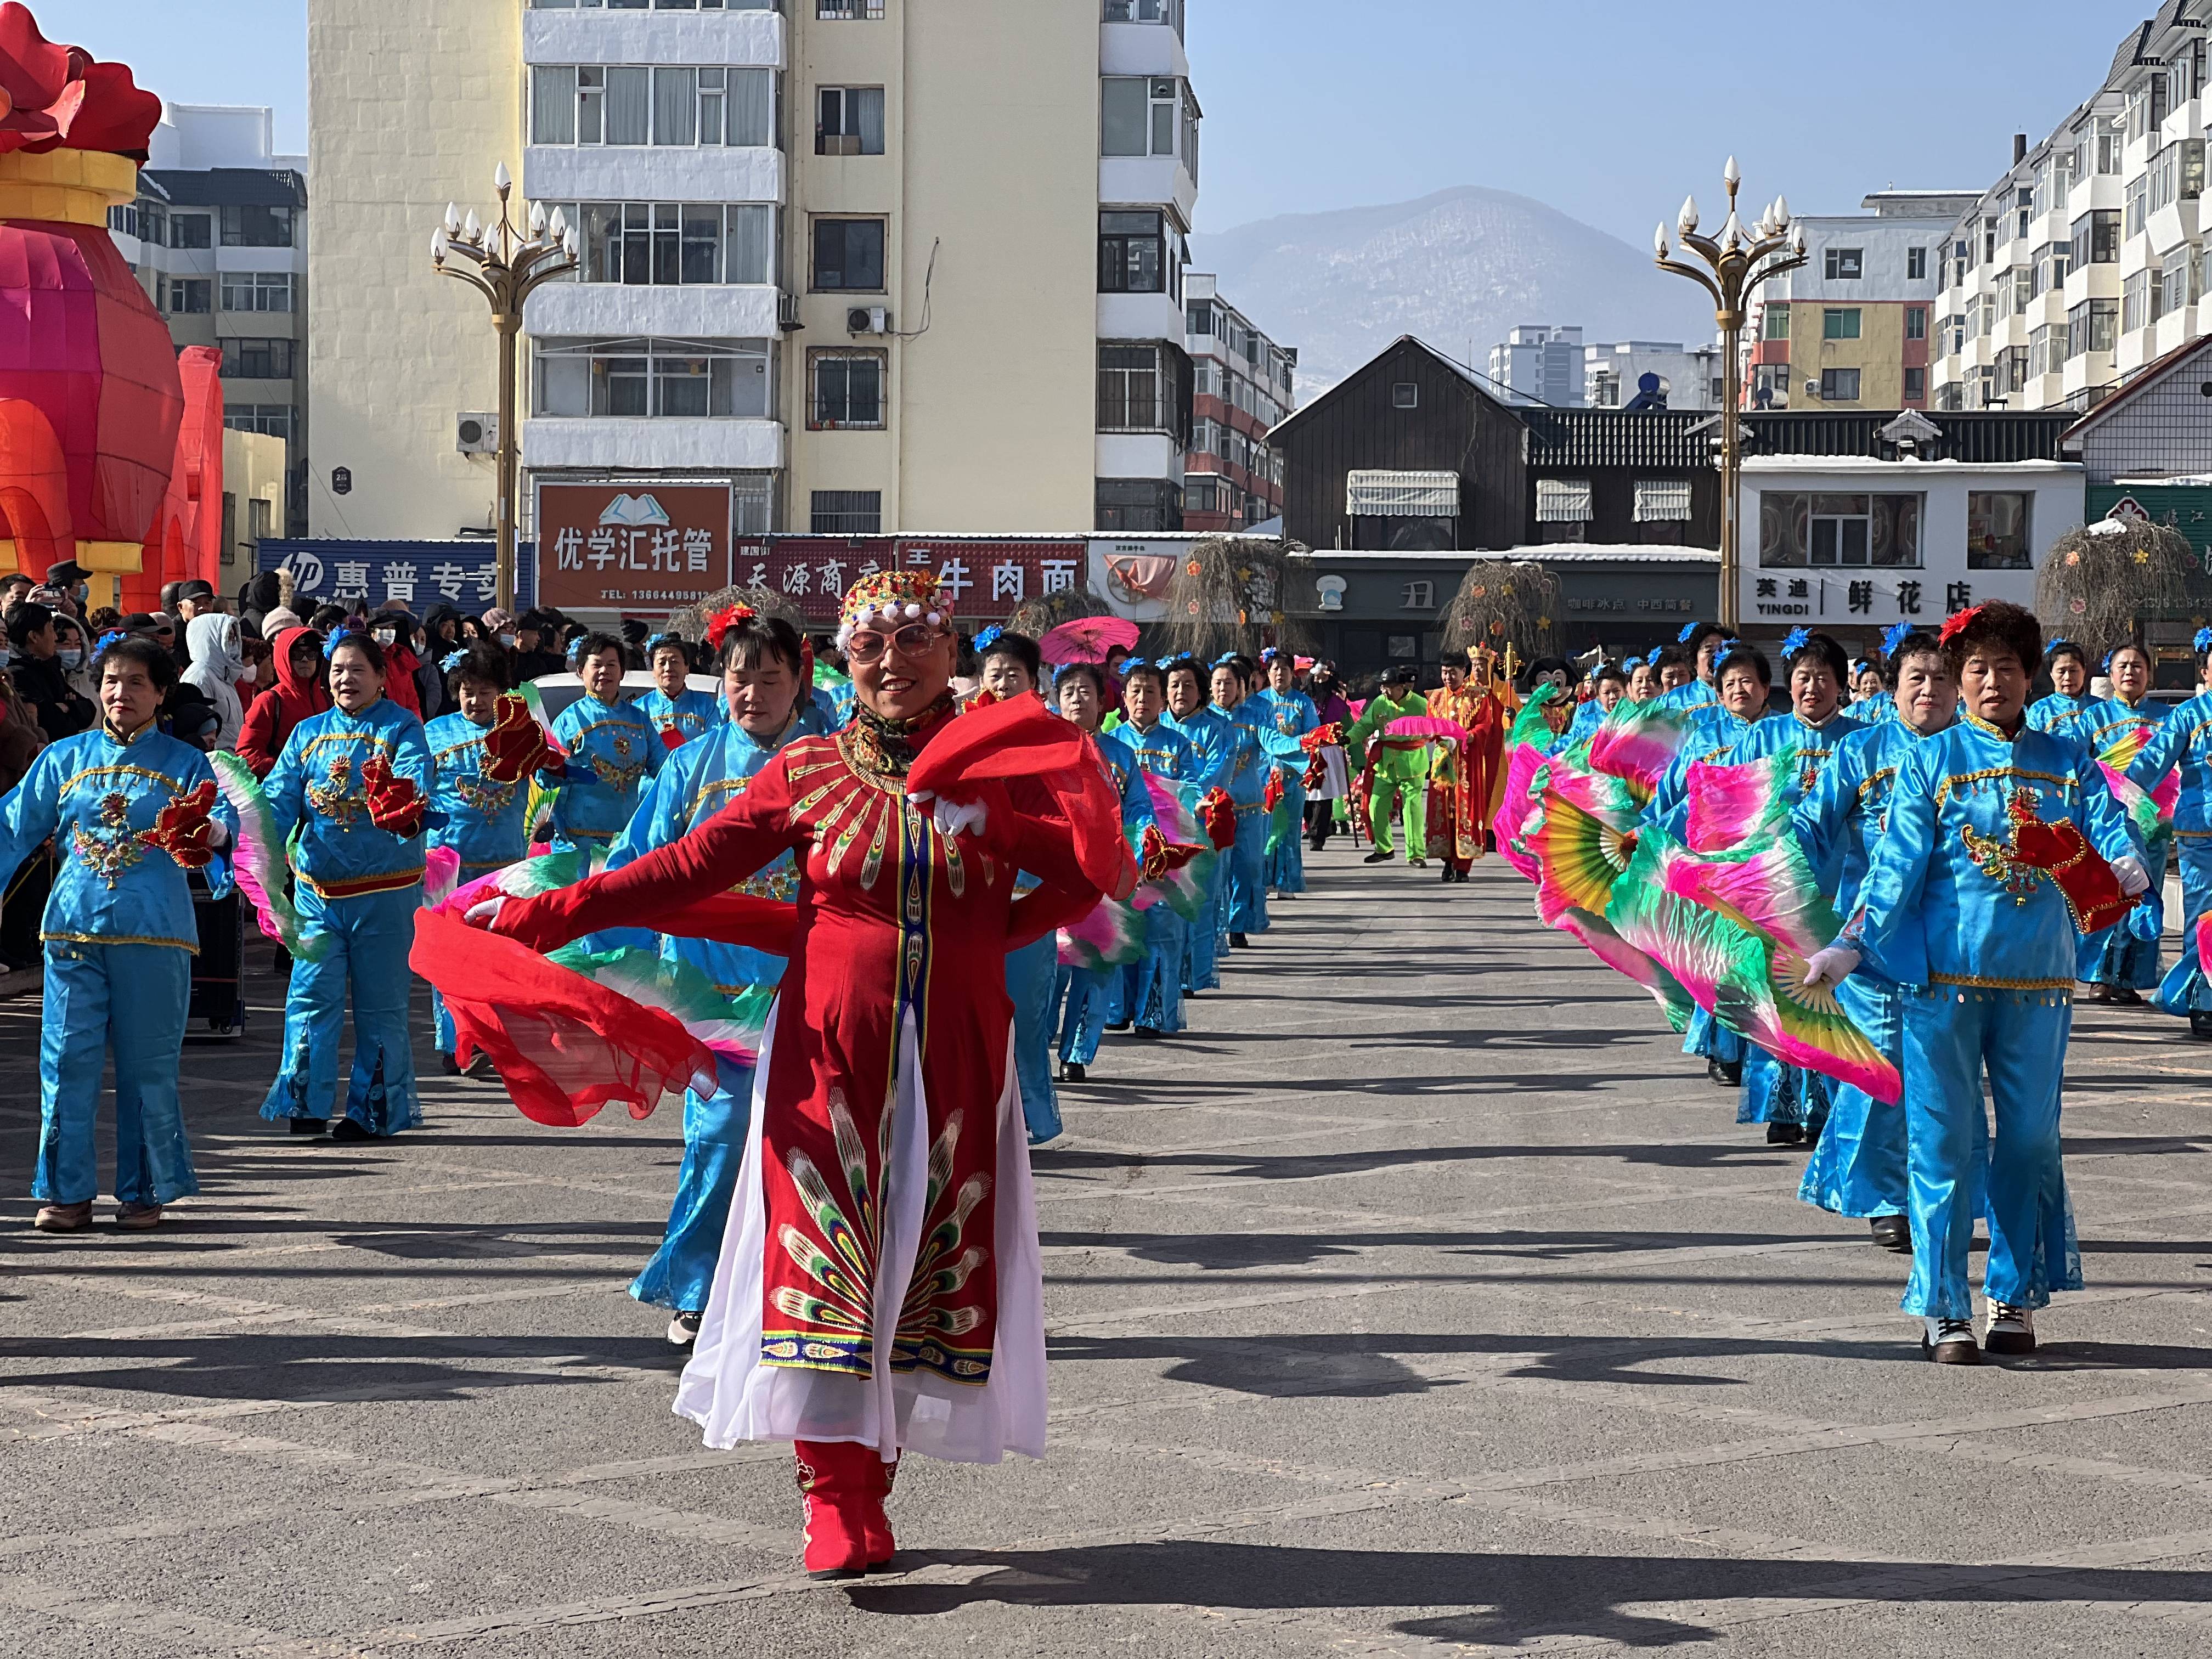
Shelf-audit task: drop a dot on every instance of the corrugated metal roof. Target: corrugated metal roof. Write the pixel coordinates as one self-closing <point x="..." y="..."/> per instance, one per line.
<point x="1614" y="437"/>
<point x="1983" y="435"/>
<point x="231" y="186"/>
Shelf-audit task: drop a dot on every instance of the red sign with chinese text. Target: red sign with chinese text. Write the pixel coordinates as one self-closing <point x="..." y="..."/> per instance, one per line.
<point x="643" y="548"/>
<point x="983" y="579"/>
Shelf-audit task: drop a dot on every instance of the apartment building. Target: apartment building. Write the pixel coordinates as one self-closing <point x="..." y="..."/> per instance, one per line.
<point x="218" y="239"/>
<point x="1539" y="363"/>
<point x="1849" y="328"/>
<point x="2085" y="262"/>
<point x="1683" y="377"/>
<point x="1240" y="390"/>
<point x="874" y="266"/>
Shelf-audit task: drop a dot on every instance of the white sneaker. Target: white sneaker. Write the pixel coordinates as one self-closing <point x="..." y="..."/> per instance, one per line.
<point x="2012" y="1329"/>
<point x="682" y="1329"/>
<point x="1949" y="1341"/>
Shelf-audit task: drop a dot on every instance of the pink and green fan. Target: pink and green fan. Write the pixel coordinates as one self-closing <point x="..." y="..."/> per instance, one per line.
<point x="1733" y="806"/>
<point x="1186" y="891"/>
<point x="1638" y="744"/>
<point x="729" y="1027"/>
<point x="1112" y="935"/>
<point x="2150" y="810"/>
<point x="258" y="861"/>
<point x="1579" y="858"/>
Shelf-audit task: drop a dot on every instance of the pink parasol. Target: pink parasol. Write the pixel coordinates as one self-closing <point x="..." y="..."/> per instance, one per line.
<point x="1087" y="639"/>
<point x="1425" y="726"/>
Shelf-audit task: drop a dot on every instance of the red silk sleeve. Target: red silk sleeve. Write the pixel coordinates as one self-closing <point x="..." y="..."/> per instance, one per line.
<point x="721" y="852"/>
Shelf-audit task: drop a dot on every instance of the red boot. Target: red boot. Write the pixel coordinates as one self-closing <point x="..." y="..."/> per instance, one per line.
<point x="876" y="1525"/>
<point x="840" y="1491"/>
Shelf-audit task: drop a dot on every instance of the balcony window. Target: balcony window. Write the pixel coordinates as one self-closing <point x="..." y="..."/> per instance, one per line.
<point x="848" y="11"/>
<point x="656" y="5"/>
<point x="1840" y="323"/>
<point x="1843" y="264"/>
<point x="1130" y="507"/>
<point x="188" y="295"/>
<point x="273" y="419"/>
<point x="1839" y="385"/>
<point x="1798" y="528"/>
<point x="2096" y="239"/>
<point x="2093" y="326"/>
<point x="192" y="230"/>
<point x="651" y="379"/>
<point x="2011" y="371"/>
<point x="845" y="390"/>
<point x="2053" y="262"/>
<point x="2177" y="281"/>
<point x="665" y="244"/>
<point x="849" y="256"/>
<point x="847" y="512"/>
<point x="680" y="107"/>
<point x="1139" y="252"/>
<point x="261" y="290"/>
<point x="1147" y="11"/>
<point x="1139" y="115"/>
<point x="848" y="121"/>
<point x="251" y="225"/>
<point x="2135" y="302"/>
<point x="257" y="360"/>
<point x="1997" y="529"/>
<point x="2138" y="202"/>
<point x="1144" y="388"/>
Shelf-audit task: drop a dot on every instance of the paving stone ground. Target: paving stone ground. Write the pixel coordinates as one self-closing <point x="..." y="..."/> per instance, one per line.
<point x="1422" y="1298"/>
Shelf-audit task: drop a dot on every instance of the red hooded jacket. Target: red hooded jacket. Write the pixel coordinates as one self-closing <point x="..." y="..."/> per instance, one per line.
<point x="282" y="706"/>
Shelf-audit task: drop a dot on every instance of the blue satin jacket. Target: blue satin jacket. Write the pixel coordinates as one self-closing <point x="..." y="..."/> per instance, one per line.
<point x="2101" y="724"/>
<point x="1164" y="751"/>
<point x="1945" y="902"/>
<point x="1216" y="743"/>
<point x="316" y="785"/>
<point x="2051" y="712"/>
<point x="2184" y="741"/>
<point x="613" y="752"/>
<point x="698" y="781"/>
<point x="1696" y="695"/>
<point x="1261" y="746"/>
<point x="1841" y="817"/>
<point x="92" y="793"/>
<point x="483" y="820"/>
<point x="693" y="714"/>
<point x="1709" y="737"/>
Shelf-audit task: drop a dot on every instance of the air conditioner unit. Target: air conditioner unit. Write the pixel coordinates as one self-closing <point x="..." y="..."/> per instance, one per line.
<point x="476" y="434"/>
<point x="786" y="314"/>
<point x="867" y="319"/>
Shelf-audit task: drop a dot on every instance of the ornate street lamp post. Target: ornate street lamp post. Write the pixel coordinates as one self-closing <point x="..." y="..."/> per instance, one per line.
<point x="504" y="266"/>
<point x="1735" y="263"/>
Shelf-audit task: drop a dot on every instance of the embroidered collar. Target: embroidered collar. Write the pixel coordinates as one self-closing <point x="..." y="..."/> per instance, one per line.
<point x="887" y="748"/>
<point x="1995" y="731"/>
<point x="118" y="739"/>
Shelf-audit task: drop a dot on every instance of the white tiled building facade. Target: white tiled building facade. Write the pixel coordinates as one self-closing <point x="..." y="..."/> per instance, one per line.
<point x="1243" y="388"/>
<point x="2085" y="261"/>
<point x="809" y="231"/>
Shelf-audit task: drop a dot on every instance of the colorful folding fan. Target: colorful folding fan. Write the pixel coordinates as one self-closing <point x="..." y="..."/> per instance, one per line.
<point x="258" y="861"/>
<point x="1734" y="806"/>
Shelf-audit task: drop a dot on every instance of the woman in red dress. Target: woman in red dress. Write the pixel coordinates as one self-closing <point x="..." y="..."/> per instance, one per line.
<point x="879" y="1288"/>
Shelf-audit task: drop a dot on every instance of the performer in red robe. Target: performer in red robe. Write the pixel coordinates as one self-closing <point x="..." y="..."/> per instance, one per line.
<point x="879" y="1286"/>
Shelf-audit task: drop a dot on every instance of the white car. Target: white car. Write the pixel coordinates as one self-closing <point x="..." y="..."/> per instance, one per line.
<point x="559" y="690"/>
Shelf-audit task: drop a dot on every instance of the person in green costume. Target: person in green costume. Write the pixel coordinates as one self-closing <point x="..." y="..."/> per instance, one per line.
<point x="1402" y="767"/>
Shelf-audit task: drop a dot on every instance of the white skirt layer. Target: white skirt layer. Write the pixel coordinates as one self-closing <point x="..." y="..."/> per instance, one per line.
<point x="732" y="1396"/>
<point x="1337" y="780"/>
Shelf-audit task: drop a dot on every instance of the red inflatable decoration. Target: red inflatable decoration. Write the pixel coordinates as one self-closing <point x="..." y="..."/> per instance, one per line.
<point x="83" y="350"/>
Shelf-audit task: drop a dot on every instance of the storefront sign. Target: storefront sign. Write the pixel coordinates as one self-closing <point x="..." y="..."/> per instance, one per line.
<point x="417" y="574"/>
<point x="639" y="547"/>
<point x="985" y="579"/>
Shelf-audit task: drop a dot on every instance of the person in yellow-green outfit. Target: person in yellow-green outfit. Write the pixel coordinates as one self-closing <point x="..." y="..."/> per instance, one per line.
<point x="1402" y="767"/>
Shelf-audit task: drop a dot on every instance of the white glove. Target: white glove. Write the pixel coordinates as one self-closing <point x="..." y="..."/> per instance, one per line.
<point x="218" y="834"/>
<point x="485" y="912"/>
<point x="953" y="820"/>
<point x="2133" y="878"/>
<point x="1830" y="967"/>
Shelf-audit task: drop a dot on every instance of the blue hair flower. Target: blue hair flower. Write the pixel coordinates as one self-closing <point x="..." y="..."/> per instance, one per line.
<point x="344" y="631"/>
<point x="2107" y="667"/>
<point x="1271" y="653"/>
<point x="660" y="640"/>
<point x="1894" y="636"/>
<point x="1688" y="629"/>
<point x="576" y="650"/>
<point x="1163" y="663"/>
<point x="1634" y="663"/>
<point x="989" y="637"/>
<point x="2203" y="641"/>
<point x="453" y="659"/>
<point x="109" y="638"/>
<point x="1795" y="641"/>
<point x="1226" y="660"/>
<point x="2055" y="641"/>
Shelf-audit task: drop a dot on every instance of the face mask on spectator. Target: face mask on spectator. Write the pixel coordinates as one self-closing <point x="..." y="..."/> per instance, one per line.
<point x="507" y="640"/>
<point x="72" y="659"/>
<point x="3" y="654"/>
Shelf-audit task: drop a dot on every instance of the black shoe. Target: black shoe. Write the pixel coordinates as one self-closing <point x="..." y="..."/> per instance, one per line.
<point x="448" y="1064"/>
<point x="2200" y="1024"/>
<point x="1785" y="1134"/>
<point x="1148" y="1032"/>
<point x="2127" y="996"/>
<point x="1123" y="1026"/>
<point x="1728" y="1073"/>
<point x="1237" y="941"/>
<point x="1380" y="855"/>
<point x="347" y="1129"/>
<point x="1892" y="1232"/>
<point x="307" y="1126"/>
<point x="1069" y="1071"/>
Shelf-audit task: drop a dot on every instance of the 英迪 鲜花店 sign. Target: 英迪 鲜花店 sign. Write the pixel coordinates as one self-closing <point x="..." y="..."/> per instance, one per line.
<point x="632" y="546"/>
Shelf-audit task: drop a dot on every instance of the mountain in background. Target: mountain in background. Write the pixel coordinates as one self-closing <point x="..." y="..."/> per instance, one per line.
<point x="1458" y="268"/>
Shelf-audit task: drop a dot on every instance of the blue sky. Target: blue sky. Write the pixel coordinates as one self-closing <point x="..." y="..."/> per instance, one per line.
<point x="1608" y="110"/>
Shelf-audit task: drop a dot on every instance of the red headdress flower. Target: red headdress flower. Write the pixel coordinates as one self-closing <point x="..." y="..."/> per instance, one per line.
<point x="719" y="625"/>
<point x="1956" y="623"/>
